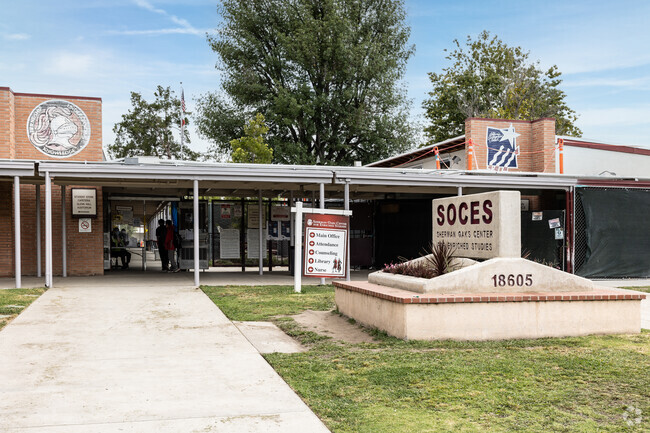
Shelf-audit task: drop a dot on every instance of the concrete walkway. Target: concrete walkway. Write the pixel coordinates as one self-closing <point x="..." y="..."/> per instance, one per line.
<point x="91" y="358"/>
<point x="153" y="276"/>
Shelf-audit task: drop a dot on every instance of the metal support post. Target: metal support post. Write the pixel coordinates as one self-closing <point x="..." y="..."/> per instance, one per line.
<point x="269" y="244"/>
<point x="17" y="239"/>
<point x="346" y="204"/>
<point x="242" y="235"/>
<point x="560" y="143"/>
<point x="196" y="233"/>
<point x="291" y="228"/>
<point x="297" y="258"/>
<point x="460" y="191"/>
<point x="48" y="230"/>
<point x="145" y="230"/>
<point x="210" y="234"/>
<point x="321" y="204"/>
<point x="64" y="235"/>
<point x="38" y="232"/>
<point x="261" y="233"/>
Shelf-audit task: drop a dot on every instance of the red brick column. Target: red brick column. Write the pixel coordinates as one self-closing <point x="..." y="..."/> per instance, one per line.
<point x="544" y="145"/>
<point x="536" y="142"/>
<point x="7" y="124"/>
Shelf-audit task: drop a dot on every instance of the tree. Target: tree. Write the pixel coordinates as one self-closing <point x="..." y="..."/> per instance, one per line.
<point x="148" y="128"/>
<point x="251" y="147"/>
<point x="487" y="78"/>
<point x="324" y="73"/>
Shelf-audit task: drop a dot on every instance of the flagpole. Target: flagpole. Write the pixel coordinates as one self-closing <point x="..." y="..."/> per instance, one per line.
<point x="182" y="118"/>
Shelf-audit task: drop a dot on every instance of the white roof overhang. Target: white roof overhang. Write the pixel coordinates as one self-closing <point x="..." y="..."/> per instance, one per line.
<point x="11" y="168"/>
<point x="246" y="178"/>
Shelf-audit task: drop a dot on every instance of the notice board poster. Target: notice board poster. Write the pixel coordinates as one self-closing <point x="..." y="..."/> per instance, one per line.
<point x="254" y="217"/>
<point x="325" y="245"/>
<point x="280" y="213"/>
<point x="229" y="244"/>
<point x="226" y="211"/>
<point x="253" y="244"/>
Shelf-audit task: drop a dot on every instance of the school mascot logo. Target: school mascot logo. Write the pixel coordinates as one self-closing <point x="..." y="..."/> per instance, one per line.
<point x="502" y="148"/>
<point x="58" y="128"/>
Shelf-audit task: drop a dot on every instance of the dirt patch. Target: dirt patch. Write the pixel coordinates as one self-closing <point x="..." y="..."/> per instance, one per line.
<point x="331" y="324"/>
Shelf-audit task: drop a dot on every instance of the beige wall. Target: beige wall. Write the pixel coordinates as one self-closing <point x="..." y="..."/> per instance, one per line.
<point x="491" y="320"/>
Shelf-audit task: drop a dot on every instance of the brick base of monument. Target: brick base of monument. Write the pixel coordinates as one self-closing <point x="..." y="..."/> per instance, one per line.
<point x="489" y="316"/>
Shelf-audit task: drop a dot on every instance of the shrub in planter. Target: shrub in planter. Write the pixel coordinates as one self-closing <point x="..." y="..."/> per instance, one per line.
<point x="437" y="261"/>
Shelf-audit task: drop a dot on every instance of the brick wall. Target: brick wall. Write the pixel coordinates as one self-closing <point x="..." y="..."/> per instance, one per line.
<point x="544" y="145"/>
<point x="84" y="250"/>
<point x="534" y="204"/>
<point x="7" y="124"/>
<point x="7" y="233"/>
<point x="536" y="143"/>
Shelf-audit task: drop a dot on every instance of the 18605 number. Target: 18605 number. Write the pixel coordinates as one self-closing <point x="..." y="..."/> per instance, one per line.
<point x="512" y="280"/>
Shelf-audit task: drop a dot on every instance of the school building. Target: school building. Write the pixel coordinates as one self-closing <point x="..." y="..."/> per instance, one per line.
<point x="584" y="203"/>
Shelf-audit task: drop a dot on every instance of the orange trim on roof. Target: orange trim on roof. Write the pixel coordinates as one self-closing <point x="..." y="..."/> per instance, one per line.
<point x="607" y="147"/>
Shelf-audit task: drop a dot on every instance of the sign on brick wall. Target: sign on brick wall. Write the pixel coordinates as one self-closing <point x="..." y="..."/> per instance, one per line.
<point x="84" y="202"/>
<point x="502" y="149"/>
<point x="58" y="128"/>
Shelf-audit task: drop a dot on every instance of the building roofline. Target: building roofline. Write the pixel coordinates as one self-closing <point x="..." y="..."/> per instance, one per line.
<point x="592" y="144"/>
<point x="47" y="95"/>
<point x="415" y="152"/>
<point x="265" y="175"/>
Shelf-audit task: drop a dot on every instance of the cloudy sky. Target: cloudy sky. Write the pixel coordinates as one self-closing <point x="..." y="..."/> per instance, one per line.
<point x="108" y="48"/>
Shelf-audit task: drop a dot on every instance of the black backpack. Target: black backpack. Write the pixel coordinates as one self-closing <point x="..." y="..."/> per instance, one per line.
<point x="177" y="240"/>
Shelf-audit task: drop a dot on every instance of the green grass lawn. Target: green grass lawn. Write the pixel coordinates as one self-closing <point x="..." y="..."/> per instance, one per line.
<point x="583" y="384"/>
<point x="267" y="302"/>
<point x="11" y="299"/>
<point x="638" y="288"/>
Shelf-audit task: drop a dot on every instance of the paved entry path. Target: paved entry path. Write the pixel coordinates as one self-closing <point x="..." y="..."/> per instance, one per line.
<point x="138" y="359"/>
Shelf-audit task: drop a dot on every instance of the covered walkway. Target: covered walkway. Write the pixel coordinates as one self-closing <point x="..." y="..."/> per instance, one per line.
<point x="138" y="177"/>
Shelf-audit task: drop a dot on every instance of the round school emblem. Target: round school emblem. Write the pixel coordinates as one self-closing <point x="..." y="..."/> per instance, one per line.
<point x="58" y="128"/>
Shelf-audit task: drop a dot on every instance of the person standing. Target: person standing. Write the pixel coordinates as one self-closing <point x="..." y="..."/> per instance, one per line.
<point x="169" y="245"/>
<point x="124" y="239"/>
<point x="118" y="249"/>
<point x="161" y="233"/>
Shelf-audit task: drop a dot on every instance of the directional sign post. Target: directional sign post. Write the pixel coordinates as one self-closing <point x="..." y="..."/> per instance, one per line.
<point x="326" y="243"/>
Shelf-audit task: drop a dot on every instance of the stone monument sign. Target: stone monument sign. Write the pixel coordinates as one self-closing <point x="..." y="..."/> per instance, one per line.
<point x="480" y="226"/>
